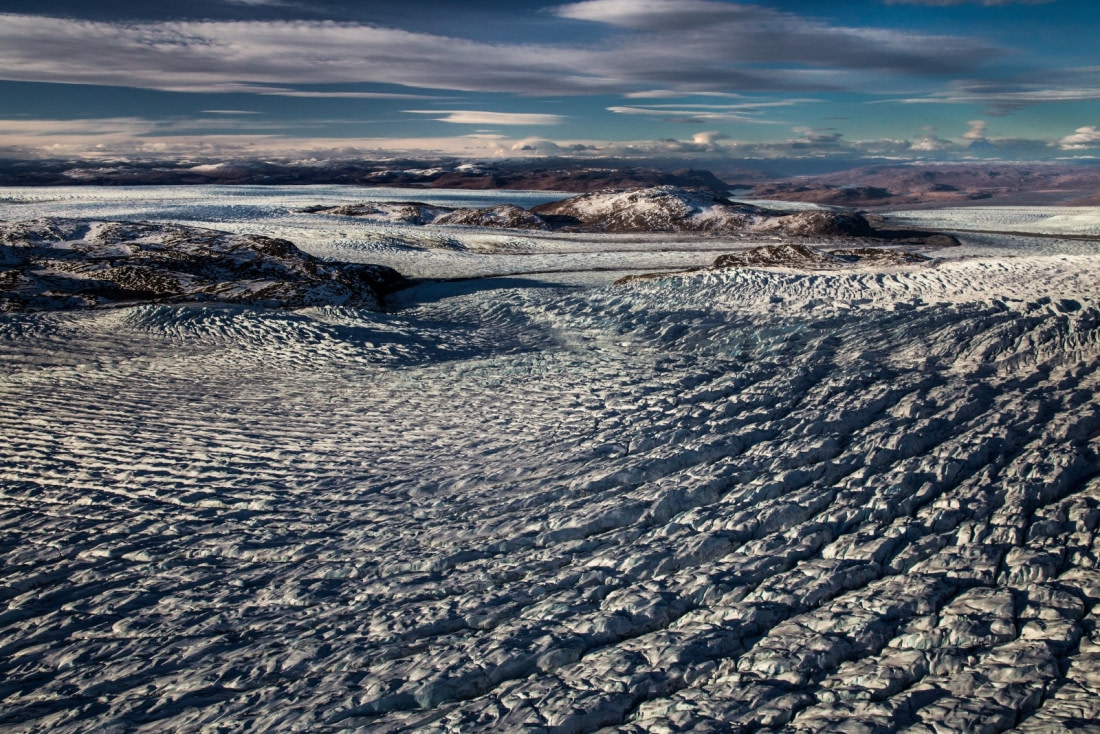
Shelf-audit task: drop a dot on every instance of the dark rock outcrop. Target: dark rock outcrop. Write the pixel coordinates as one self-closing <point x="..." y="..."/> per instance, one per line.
<point x="51" y="264"/>
<point x="811" y="258"/>
<point x="798" y="256"/>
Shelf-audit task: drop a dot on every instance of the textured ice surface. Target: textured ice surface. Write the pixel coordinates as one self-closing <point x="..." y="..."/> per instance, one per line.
<point x="1082" y="220"/>
<point x="748" y="500"/>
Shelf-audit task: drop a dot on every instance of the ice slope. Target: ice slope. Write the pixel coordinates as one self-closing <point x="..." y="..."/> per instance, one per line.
<point x="746" y="500"/>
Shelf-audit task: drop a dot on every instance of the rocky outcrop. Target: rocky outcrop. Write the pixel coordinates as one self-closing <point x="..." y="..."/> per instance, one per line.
<point x="505" y="216"/>
<point x="390" y="212"/>
<point x="646" y="210"/>
<point x="52" y="264"/>
<point x="817" y="223"/>
<point x="672" y="209"/>
<point x="798" y="256"/>
<point x="655" y="209"/>
<point x="812" y="258"/>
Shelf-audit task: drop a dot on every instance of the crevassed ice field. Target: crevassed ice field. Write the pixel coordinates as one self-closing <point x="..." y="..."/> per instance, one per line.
<point x="532" y="500"/>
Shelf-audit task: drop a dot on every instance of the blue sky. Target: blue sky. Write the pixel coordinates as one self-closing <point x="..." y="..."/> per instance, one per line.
<point x="789" y="79"/>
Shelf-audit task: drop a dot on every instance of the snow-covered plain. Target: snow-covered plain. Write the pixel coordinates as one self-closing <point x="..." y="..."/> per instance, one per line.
<point x="748" y="500"/>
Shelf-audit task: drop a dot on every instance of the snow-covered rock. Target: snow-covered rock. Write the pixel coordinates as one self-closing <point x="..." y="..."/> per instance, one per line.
<point x="505" y="216"/>
<point x="389" y="212"/>
<point x="655" y="209"/>
<point x="807" y="257"/>
<point x="53" y="264"/>
<point x="817" y="223"/>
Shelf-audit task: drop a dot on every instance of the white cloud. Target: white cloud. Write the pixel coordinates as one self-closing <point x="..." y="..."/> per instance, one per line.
<point x="1083" y="137"/>
<point x="98" y="127"/>
<point x="672" y="93"/>
<point x="136" y="138"/>
<point x="267" y="56"/>
<point x="709" y="137"/>
<point x="538" y="147"/>
<point x="705" y="113"/>
<point x="1001" y="99"/>
<point x="656" y="14"/>
<point x="306" y="94"/>
<point x="713" y="33"/>
<point x="479" y="117"/>
<point x="686" y="115"/>
<point x="976" y="130"/>
<point x="741" y="47"/>
<point x="930" y="144"/>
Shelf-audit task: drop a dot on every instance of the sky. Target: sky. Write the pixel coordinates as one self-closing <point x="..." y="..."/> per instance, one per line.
<point x="487" y="79"/>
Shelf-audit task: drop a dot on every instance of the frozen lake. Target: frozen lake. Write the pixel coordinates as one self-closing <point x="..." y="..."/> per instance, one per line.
<point x="748" y="500"/>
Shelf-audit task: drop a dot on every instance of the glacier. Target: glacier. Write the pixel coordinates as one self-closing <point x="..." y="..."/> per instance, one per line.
<point x="523" y="498"/>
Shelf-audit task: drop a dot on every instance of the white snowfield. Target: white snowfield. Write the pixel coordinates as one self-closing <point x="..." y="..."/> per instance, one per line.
<point x="747" y="500"/>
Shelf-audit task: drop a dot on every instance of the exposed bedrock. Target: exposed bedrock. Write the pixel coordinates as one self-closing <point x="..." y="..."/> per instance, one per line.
<point x="51" y="264"/>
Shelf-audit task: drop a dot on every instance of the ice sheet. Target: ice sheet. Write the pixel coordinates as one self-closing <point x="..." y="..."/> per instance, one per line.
<point x="747" y="500"/>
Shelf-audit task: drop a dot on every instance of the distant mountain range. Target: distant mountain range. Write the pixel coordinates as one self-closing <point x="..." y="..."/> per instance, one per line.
<point x="864" y="186"/>
<point x="545" y="176"/>
<point x="909" y="184"/>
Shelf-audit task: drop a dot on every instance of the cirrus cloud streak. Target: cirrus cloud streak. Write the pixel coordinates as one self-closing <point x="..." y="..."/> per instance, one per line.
<point x="716" y="47"/>
<point x="482" y="117"/>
